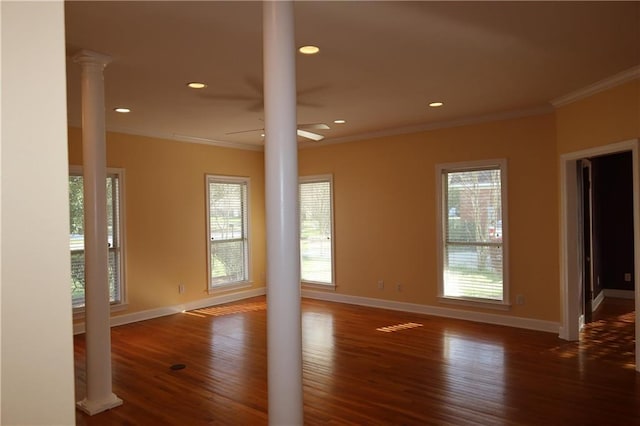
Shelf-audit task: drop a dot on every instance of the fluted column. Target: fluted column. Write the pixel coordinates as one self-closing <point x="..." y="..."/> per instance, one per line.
<point x="284" y="331"/>
<point x="97" y="308"/>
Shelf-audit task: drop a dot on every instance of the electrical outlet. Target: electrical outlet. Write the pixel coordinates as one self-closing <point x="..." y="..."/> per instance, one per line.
<point x="180" y="288"/>
<point x="520" y="299"/>
<point x="627" y="277"/>
<point x="398" y="287"/>
<point x="380" y="284"/>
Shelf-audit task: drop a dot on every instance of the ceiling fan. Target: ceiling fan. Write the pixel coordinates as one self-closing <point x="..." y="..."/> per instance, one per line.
<point x="302" y="131"/>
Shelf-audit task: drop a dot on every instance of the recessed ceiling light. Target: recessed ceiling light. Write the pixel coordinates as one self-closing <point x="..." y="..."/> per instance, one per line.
<point x="339" y="121"/>
<point x="435" y="104"/>
<point x="122" y="110"/>
<point x="309" y="50"/>
<point x="196" y="85"/>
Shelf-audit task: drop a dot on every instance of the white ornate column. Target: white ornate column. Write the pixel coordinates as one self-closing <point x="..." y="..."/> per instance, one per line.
<point x="284" y="330"/>
<point x="97" y="308"/>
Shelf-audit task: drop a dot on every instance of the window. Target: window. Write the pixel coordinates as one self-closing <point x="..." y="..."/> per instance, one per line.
<point x="227" y="224"/>
<point x="114" y="233"/>
<point x="473" y="232"/>
<point x="316" y="229"/>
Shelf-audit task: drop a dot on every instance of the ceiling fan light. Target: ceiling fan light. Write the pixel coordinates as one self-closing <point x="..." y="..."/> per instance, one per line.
<point x="340" y="121"/>
<point x="436" y="104"/>
<point x="122" y="110"/>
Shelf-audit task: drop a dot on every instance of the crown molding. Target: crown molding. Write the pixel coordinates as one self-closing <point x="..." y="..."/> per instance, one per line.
<point x="506" y="115"/>
<point x="215" y="142"/>
<point x="178" y="138"/>
<point x="600" y="86"/>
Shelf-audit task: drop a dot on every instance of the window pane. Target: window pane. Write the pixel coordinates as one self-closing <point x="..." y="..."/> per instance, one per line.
<point x="473" y="251"/>
<point x="77" y="278"/>
<point x="114" y="276"/>
<point x="315" y="232"/>
<point x="76" y="238"/>
<point x="227" y="262"/>
<point x="474" y="206"/>
<point x="473" y="271"/>
<point x="227" y="232"/>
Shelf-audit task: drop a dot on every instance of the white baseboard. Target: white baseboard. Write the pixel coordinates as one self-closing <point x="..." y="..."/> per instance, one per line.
<point x="79" y="328"/>
<point x="506" y="320"/>
<point x="595" y="304"/>
<point x="619" y="294"/>
<point x="562" y="333"/>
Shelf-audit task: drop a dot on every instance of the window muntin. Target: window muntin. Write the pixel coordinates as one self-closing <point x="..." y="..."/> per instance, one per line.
<point x="472" y="231"/>
<point x="316" y="229"/>
<point x="227" y="229"/>
<point x="114" y="233"/>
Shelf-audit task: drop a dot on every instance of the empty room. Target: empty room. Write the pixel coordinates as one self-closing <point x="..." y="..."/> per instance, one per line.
<point x="393" y="213"/>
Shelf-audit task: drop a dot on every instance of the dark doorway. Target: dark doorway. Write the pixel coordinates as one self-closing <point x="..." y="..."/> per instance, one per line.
<point x="607" y="228"/>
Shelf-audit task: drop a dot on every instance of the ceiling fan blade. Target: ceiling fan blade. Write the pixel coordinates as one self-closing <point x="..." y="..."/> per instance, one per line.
<point x="300" y="131"/>
<point x="313" y="136"/>
<point x="314" y="126"/>
<point x="245" y="131"/>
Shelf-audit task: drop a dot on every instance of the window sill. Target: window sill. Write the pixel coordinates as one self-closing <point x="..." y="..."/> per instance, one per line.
<point x="221" y="288"/>
<point x="311" y="285"/>
<point x="78" y="313"/>
<point x="476" y="303"/>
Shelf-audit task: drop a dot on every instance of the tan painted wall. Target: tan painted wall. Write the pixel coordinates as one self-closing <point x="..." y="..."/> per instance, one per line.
<point x="385" y="209"/>
<point x="165" y="216"/>
<point x="604" y="118"/>
<point x="385" y="214"/>
<point x="36" y="374"/>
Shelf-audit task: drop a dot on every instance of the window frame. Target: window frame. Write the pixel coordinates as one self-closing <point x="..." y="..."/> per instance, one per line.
<point x="230" y="285"/>
<point x="315" y="179"/>
<point x="442" y="217"/>
<point x="75" y="170"/>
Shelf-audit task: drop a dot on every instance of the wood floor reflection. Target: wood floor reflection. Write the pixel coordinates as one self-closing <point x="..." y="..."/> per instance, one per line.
<point x="426" y="371"/>
<point x="609" y="338"/>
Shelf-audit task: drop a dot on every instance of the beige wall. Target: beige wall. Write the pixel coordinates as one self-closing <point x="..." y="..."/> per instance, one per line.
<point x="385" y="197"/>
<point x="165" y="216"/>
<point x="37" y="349"/>
<point x="604" y="118"/>
<point x="385" y="209"/>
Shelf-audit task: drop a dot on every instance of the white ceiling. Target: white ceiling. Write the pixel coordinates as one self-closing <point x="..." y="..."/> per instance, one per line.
<point x="379" y="66"/>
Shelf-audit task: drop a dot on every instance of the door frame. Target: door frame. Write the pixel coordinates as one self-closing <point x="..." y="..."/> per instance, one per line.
<point x="585" y="238"/>
<point x="570" y="267"/>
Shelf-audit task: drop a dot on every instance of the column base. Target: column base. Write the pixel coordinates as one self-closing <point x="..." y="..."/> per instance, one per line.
<point x="95" y="407"/>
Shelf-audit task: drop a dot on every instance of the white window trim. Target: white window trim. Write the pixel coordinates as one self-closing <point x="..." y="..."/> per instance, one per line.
<point x="123" y="304"/>
<point x="314" y="284"/>
<point x="235" y="285"/>
<point x="440" y="214"/>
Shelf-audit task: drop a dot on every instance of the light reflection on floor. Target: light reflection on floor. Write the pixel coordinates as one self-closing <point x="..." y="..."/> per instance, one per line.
<point x="485" y="364"/>
<point x="609" y="339"/>
<point x="216" y="311"/>
<point x="398" y="327"/>
<point x="228" y="331"/>
<point x="318" y="340"/>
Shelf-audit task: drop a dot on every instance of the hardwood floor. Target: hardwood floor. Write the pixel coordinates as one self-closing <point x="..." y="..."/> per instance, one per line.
<point x="444" y="372"/>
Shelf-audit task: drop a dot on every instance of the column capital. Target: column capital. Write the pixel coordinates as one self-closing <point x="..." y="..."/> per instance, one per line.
<point x="90" y="57"/>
